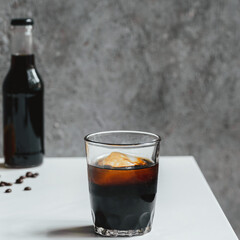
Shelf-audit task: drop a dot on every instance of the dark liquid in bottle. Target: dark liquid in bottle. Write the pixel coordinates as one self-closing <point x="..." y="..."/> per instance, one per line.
<point x="123" y="199"/>
<point x="23" y="114"/>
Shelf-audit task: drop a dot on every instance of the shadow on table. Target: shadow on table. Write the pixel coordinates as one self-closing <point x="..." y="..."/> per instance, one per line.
<point x="78" y="232"/>
<point x="2" y="166"/>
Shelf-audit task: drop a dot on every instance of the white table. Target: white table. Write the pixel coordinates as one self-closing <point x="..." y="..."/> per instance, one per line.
<point x="58" y="206"/>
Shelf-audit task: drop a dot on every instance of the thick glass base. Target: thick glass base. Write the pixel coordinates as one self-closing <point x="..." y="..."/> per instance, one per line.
<point x="121" y="233"/>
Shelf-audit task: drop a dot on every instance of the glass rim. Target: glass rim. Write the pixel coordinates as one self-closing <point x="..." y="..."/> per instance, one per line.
<point x="100" y="143"/>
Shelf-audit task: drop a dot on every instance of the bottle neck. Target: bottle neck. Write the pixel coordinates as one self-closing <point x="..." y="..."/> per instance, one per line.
<point x="22" y="62"/>
<point x="21" y="40"/>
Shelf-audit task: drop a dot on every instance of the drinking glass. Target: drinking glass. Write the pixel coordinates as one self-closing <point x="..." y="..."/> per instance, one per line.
<point x="122" y="177"/>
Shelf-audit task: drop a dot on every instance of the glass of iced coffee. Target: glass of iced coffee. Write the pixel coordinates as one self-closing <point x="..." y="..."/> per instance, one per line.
<point x="122" y="174"/>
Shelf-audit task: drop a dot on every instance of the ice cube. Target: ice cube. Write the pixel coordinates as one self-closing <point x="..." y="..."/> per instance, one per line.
<point x="117" y="159"/>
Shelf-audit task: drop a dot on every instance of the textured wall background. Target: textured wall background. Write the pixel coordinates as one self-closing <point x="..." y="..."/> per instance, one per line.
<point x="170" y="67"/>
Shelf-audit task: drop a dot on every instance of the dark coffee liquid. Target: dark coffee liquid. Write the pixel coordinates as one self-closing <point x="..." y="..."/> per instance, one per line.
<point x="123" y="199"/>
<point x="23" y="114"/>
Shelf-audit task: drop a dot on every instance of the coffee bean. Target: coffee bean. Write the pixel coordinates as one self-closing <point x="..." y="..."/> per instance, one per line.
<point x="29" y="174"/>
<point x="8" y="190"/>
<point x="2" y="184"/>
<point x="27" y="189"/>
<point x="22" y="177"/>
<point x="34" y="175"/>
<point x="19" y="180"/>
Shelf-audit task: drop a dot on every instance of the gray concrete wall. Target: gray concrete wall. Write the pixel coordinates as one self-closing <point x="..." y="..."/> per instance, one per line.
<point x="169" y="67"/>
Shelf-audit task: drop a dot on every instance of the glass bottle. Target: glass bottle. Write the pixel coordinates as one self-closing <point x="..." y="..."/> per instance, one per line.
<point x="23" y="110"/>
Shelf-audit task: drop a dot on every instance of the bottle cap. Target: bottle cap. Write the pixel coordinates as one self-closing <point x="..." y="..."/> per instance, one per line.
<point x="21" y="21"/>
